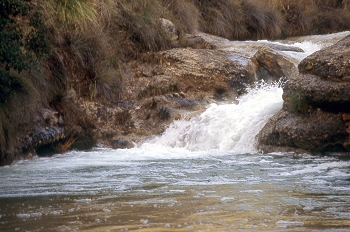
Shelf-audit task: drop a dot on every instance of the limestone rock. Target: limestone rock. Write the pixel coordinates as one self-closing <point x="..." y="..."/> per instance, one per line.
<point x="318" y="131"/>
<point x="315" y="114"/>
<point x="328" y="95"/>
<point x="204" y="70"/>
<point x="331" y="63"/>
<point x="272" y="65"/>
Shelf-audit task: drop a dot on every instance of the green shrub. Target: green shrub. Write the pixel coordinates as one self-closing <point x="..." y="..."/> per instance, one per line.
<point x="22" y="42"/>
<point x="298" y="101"/>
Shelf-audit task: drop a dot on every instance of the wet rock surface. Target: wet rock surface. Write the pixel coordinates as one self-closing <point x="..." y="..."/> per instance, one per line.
<point x="314" y="116"/>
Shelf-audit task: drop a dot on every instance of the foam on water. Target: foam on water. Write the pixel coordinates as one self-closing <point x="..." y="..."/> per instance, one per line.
<point x="227" y="127"/>
<point x="308" y="47"/>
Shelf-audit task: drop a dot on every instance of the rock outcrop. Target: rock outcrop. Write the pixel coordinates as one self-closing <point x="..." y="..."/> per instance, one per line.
<point x="316" y="106"/>
<point x="172" y="84"/>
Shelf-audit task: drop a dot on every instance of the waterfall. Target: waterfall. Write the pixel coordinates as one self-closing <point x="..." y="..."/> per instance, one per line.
<point x="226" y="127"/>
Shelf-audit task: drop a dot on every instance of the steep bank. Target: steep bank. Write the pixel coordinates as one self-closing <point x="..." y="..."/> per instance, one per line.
<point x="117" y="70"/>
<point x="315" y="114"/>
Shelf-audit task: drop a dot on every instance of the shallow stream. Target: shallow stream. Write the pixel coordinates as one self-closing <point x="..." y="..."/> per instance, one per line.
<point x="202" y="174"/>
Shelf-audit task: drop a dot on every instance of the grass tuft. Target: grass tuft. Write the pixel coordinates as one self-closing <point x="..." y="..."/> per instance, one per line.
<point x="70" y="14"/>
<point x="298" y="101"/>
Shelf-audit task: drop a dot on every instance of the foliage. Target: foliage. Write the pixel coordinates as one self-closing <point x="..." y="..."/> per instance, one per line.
<point x="22" y="42"/>
<point x="298" y="101"/>
<point x="70" y="14"/>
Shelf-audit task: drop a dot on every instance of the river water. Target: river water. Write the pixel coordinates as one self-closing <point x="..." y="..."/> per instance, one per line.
<point x="202" y="174"/>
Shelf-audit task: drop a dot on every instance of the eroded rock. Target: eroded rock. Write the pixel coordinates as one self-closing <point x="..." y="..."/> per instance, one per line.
<point x="318" y="131"/>
<point x="328" y="95"/>
<point x="272" y="65"/>
<point x="331" y="63"/>
<point x="316" y="106"/>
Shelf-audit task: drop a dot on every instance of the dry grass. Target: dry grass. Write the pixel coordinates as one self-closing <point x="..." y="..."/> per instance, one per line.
<point x="183" y="13"/>
<point x="313" y="16"/>
<point x="261" y="21"/>
<point x="237" y="19"/>
<point x="223" y="18"/>
<point x="70" y="14"/>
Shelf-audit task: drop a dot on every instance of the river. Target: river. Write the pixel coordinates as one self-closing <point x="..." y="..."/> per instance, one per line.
<point x="202" y="174"/>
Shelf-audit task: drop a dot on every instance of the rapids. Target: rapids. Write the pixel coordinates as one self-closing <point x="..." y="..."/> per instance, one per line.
<point x="201" y="174"/>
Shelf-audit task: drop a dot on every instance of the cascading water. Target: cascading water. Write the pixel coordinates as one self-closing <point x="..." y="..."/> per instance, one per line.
<point x="227" y="127"/>
<point x="201" y="174"/>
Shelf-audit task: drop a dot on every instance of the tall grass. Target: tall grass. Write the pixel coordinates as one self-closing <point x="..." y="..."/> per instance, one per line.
<point x="313" y="16"/>
<point x="70" y="14"/>
<point x="261" y="21"/>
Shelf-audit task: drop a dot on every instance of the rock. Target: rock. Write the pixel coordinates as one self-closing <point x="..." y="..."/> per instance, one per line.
<point x="247" y="47"/>
<point x="203" y="70"/>
<point x="42" y="136"/>
<point x="121" y="144"/>
<point x="272" y="65"/>
<point x="328" y="95"/>
<point x="315" y="114"/>
<point x="331" y="63"/>
<point x="281" y="47"/>
<point x="169" y="27"/>
<point x="196" y="42"/>
<point x="50" y="117"/>
<point x="318" y="131"/>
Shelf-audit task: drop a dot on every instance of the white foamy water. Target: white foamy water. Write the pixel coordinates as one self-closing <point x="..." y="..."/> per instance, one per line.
<point x="227" y="127"/>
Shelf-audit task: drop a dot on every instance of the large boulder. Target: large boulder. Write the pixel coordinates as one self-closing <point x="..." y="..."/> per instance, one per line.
<point x="316" y="131"/>
<point x="331" y="63"/>
<point x="315" y="114"/>
<point x="272" y="65"/>
<point x="328" y="95"/>
<point x="204" y="70"/>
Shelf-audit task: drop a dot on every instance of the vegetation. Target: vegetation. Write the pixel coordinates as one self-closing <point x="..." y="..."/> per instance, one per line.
<point x="23" y="40"/>
<point x="297" y="101"/>
<point x="51" y="47"/>
<point x="22" y="43"/>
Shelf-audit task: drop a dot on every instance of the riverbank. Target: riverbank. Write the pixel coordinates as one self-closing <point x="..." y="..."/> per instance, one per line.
<point x="117" y="71"/>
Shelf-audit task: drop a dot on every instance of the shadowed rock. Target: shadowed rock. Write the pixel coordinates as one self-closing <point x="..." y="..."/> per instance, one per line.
<point x="314" y="116"/>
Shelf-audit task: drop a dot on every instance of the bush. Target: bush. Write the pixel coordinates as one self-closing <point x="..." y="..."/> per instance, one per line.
<point x="22" y="42"/>
<point x="297" y="101"/>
